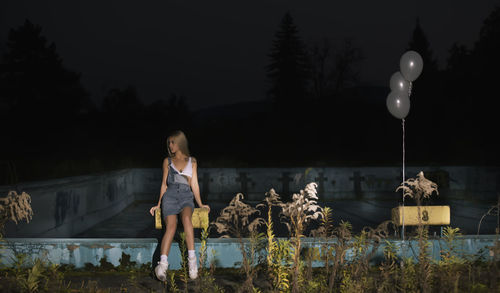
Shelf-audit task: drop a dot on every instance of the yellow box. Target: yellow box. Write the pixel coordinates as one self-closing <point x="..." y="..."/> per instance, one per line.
<point x="430" y="215"/>
<point x="199" y="218"/>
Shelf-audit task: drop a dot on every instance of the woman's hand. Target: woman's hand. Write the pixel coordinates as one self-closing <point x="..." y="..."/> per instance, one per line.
<point x="153" y="209"/>
<point x="204" y="206"/>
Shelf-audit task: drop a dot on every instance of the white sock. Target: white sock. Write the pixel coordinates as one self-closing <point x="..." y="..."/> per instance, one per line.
<point x="163" y="258"/>
<point x="191" y="254"/>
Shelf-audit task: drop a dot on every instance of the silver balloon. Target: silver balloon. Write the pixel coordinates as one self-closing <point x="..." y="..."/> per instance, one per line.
<point x="398" y="104"/>
<point x="411" y="65"/>
<point x="398" y="83"/>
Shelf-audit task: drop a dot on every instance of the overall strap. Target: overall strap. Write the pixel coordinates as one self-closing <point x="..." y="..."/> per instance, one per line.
<point x="169" y="176"/>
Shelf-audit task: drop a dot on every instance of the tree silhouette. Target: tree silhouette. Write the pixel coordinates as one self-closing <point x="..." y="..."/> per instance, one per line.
<point x="122" y="104"/>
<point x="459" y="77"/>
<point x="33" y="80"/>
<point x="428" y="107"/>
<point x="346" y="59"/>
<point x="485" y="79"/>
<point x="288" y="70"/>
<point x="166" y="115"/>
<point x="487" y="47"/>
<point x="419" y="43"/>
<point x="471" y="76"/>
<point x="332" y="71"/>
<point x="321" y="70"/>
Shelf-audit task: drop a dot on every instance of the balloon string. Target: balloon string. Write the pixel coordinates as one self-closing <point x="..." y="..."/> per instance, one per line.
<point x="403" y="126"/>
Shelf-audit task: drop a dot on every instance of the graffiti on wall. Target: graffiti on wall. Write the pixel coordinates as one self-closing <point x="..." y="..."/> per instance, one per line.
<point x="66" y="201"/>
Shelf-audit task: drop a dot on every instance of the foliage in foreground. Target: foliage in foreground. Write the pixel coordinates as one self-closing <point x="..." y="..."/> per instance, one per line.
<point x="281" y="265"/>
<point x="349" y="263"/>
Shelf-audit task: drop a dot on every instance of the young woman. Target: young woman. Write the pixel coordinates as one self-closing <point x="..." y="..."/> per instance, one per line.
<point x="178" y="187"/>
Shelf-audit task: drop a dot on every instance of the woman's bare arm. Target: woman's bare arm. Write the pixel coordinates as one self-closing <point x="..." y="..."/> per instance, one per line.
<point x="163" y="187"/>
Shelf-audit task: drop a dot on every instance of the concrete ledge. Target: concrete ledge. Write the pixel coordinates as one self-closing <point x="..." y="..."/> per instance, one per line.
<point x="77" y="252"/>
<point x="66" y="207"/>
<point x="224" y="252"/>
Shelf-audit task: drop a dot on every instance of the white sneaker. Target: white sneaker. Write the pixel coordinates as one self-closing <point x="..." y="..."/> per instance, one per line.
<point x="193" y="268"/>
<point x="161" y="271"/>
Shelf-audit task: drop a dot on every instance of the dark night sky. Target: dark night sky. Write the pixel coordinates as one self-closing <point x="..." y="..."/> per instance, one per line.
<point x="215" y="52"/>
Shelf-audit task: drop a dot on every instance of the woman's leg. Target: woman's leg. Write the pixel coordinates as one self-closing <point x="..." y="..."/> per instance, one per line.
<point x="186" y="215"/>
<point x="168" y="237"/>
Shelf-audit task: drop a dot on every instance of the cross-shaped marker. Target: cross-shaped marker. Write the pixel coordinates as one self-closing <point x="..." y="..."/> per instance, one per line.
<point x="244" y="182"/>
<point x="357" y="178"/>
<point x="205" y="185"/>
<point x="286" y="179"/>
<point x="321" y="186"/>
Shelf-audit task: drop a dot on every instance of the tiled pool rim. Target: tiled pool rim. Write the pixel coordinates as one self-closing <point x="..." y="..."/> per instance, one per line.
<point x="224" y="251"/>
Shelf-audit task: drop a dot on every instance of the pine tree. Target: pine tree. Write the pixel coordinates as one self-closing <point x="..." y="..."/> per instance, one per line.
<point x="486" y="64"/>
<point x="420" y="44"/>
<point x="428" y="108"/>
<point x="33" y="80"/>
<point x="288" y="70"/>
<point x="122" y="104"/>
<point x="471" y="78"/>
<point x="487" y="47"/>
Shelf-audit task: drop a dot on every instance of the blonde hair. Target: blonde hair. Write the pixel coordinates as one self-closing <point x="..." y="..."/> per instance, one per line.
<point x="181" y="140"/>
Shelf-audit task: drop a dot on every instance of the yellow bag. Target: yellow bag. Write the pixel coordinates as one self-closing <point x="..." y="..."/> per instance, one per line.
<point x="199" y="218"/>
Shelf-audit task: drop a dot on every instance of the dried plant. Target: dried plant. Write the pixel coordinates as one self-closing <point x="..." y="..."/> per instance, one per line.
<point x="326" y="228"/>
<point x="366" y="244"/>
<point x="325" y="231"/>
<point x="388" y="269"/>
<point x="277" y="252"/>
<point x="15" y="207"/>
<point x="297" y="213"/>
<point x="449" y="265"/>
<point x="421" y="188"/>
<point x="409" y="276"/>
<point x="418" y="188"/>
<point x="271" y="199"/>
<point x="363" y="248"/>
<point x="301" y="210"/>
<point x="492" y="211"/>
<point x="342" y="235"/>
<point x="236" y="220"/>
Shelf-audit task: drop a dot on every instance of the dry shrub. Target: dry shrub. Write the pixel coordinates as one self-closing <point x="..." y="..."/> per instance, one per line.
<point x="234" y="220"/>
<point x="296" y="215"/>
<point x="421" y="188"/>
<point x="418" y="188"/>
<point x="301" y="210"/>
<point x="15" y="207"/>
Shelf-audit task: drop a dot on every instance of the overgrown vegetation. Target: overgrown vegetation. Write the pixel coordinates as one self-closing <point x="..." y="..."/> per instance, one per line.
<point x="337" y="261"/>
<point x="348" y="260"/>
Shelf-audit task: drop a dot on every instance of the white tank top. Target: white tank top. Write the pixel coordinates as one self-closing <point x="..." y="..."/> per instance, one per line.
<point x="188" y="170"/>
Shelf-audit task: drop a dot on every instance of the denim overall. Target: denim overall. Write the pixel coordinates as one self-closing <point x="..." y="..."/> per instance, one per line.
<point x="178" y="194"/>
